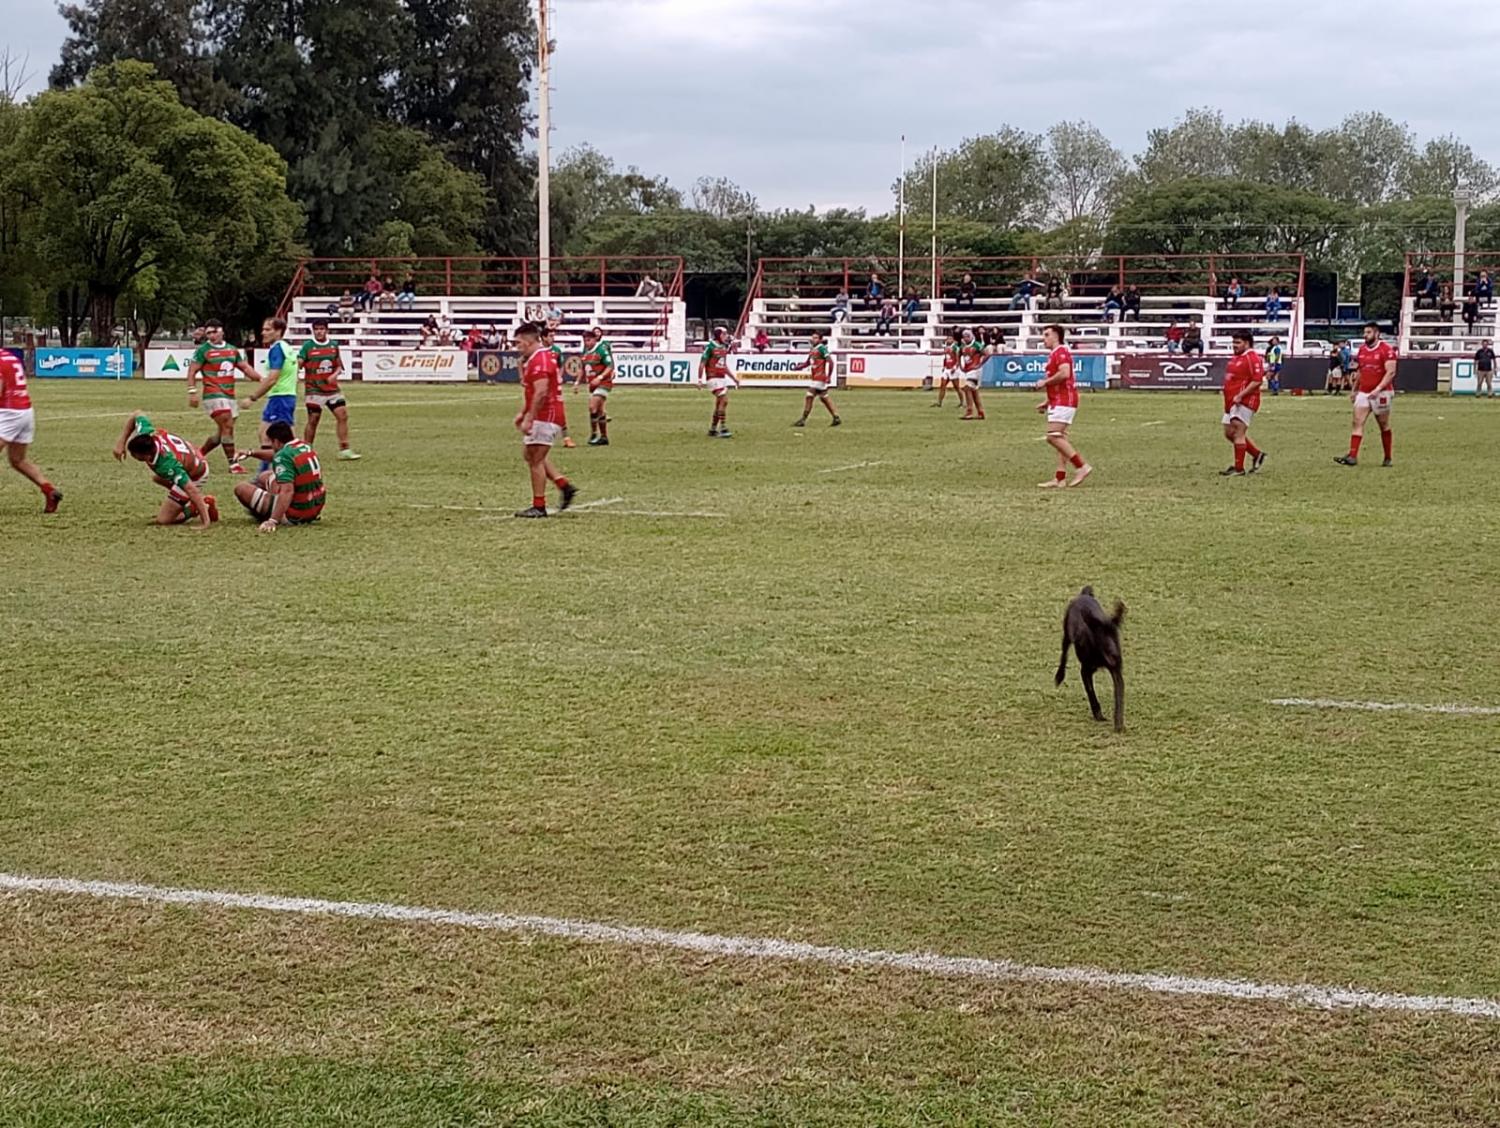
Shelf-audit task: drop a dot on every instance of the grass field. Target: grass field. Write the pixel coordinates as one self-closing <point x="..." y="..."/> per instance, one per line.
<point x="827" y="715"/>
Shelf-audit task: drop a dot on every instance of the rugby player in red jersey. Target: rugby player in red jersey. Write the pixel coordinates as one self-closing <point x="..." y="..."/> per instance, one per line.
<point x="1242" y="386"/>
<point x="1373" y="394"/>
<point x="541" y="419"/>
<point x="970" y="363"/>
<point x="18" y="428"/>
<point x="821" y="363"/>
<point x="176" y="465"/>
<point x="713" y="370"/>
<point x="1060" y="409"/>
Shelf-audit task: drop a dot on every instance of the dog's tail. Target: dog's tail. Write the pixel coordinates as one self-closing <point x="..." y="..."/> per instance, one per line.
<point x="1119" y="615"/>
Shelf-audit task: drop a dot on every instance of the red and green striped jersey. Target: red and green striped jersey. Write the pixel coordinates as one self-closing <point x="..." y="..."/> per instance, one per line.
<point x="218" y="364"/>
<point x="822" y="363"/>
<point x="599" y="365"/>
<point x="716" y="357"/>
<point x="971" y="356"/>
<point x="297" y="463"/>
<point x="321" y="364"/>
<point x="950" y="356"/>
<point x="176" y="461"/>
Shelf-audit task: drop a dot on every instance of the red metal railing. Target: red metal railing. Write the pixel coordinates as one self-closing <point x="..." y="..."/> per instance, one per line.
<point x="476" y="276"/>
<point x="1444" y="267"/>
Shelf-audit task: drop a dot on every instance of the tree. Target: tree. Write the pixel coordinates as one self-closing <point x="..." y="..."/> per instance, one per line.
<point x="170" y="34"/>
<point x="1195" y="147"/>
<point x="999" y="178"/>
<point x="429" y="206"/>
<point x="1444" y="165"/>
<point x="1086" y="171"/>
<point x="722" y="198"/>
<point x="120" y="178"/>
<point x="1365" y="160"/>
<point x="1292" y="157"/>
<point x="587" y="187"/>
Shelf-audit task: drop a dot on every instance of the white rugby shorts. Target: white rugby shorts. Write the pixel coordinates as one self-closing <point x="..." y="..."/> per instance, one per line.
<point x="18" y="425"/>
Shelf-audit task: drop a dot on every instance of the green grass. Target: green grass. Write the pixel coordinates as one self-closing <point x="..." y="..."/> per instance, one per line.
<point x="828" y="716"/>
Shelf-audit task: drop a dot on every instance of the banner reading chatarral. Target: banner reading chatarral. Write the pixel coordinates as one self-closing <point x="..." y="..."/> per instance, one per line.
<point x="397" y="366"/>
<point x="86" y="364"/>
<point x="1177" y="373"/>
<point x="1023" y="370"/>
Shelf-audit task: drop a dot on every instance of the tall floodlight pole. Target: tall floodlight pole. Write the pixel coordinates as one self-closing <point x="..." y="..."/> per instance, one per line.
<point x="933" y="293"/>
<point x="1462" y="198"/>
<point x="544" y="151"/>
<point x="900" y="294"/>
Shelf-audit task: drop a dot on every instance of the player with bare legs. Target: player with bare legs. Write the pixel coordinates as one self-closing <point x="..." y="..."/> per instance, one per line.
<point x="713" y="370"/>
<point x="1243" y="380"/>
<point x="821" y="363"/>
<point x="1373" y="394"/>
<point x="1060" y="408"/>
<point x="18" y="428"/>
<point x="541" y="419"/>
<point x="177" y="466"/>
<point x="217" y="362"/>
<point x="950" y="371"/>
<point x="970" y="364"/>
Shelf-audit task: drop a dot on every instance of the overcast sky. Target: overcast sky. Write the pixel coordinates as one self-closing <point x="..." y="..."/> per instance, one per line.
<point x="804" y="101"/>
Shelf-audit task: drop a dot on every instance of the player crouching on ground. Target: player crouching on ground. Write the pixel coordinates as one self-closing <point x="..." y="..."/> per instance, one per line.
<point x="291" y="492"/>
<point x="821" y="363"/>
<point x="598" y="368"/>
<point x="1242" y="384"/>
<point x="176" y="465"/>
<point x="322" y="364"/>
<point x="1060" y="409"/>
<point x="541" y="419"/>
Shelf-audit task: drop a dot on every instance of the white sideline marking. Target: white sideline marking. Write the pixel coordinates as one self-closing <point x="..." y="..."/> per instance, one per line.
<point x="853" y="466"/>
<point x="757" y="948"/>
<point x="599" y="504"/>
<point x="660" y="513"/>
<point x="1155" y="423"/>
<point x="1387" y="706"/>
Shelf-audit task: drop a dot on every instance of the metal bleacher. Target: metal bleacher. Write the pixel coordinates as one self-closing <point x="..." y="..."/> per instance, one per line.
<point x="1438" y="326"/>
<point x="484" y="292"/>
<point x="790" y="298"/>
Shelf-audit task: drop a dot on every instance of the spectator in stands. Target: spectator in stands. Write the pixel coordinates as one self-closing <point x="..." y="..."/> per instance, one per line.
<point x="388" y="294"/>
<point x="1427" y="291"/>
<point x="1471" y="310"/>
<point x="1192" y="340"/>
<point x="1485" y="288"/>
<point x="1234" y="292"/>
<point x="446" y="333"/>
<point x="762" y="340"/>
<point x="1133" y="302"/>
<point x="967" y="292"/>
<point x="1027" y="286"/>
<point x="650" y="288"/>
<point x="1114" y="303"/>
<point x="994" y="340"/>
<point x="493" y="338"/>
<point x="911" y="306"/>
<point x="887" y="316"/>
<point x="429" y="335"/>
<point x="346" y="306"/>
<point x="1484" y="370"/>
<point x="1055" y="294"/>
<point x="372" y="289"/>
<point x="874" y="292"/>
<point x="841" y="306"/>
<point x="407" y="297"/>
<point x="1446" y="306"/>
<point x="1175" y="333"/>
<point x="1273" y="304"/>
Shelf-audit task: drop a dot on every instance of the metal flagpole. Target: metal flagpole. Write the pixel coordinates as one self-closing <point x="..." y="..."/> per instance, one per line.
<point x="544" y="151"/>
<point x="934" y="294"/>
<point x="900" y="294"/>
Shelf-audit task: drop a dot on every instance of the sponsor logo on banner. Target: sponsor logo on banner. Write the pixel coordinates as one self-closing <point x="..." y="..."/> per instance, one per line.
<point x="168" y="364"/>
<point x="770" y="370"/>
<point x="393" y="366"/>
<point x="100" y="364"/>
<point x="1173" y="372"/>
<point x="889" y="370"/>
<point x="1023" y="370"/>
<point x="499" y="368"/>
<point x="654" y="368"/>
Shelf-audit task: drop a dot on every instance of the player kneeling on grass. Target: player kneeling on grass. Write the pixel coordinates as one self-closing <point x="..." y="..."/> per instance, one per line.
<point x="821" y="364"/>
<point x="291" y="492"/>
<point x="176" y="465"/>
<point x="598" y="368"/>
<point x="541" y="419"/>
<point x="1060" y="409"/>
<point x="1242" y="384"/>
<point x="322" y="364"/>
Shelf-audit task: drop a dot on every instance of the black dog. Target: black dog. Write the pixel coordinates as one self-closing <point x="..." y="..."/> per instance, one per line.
<point x="1095" y="637"/>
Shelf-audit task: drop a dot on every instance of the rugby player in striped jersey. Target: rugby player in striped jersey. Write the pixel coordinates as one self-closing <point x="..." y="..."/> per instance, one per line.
<point x="291" y="492"/>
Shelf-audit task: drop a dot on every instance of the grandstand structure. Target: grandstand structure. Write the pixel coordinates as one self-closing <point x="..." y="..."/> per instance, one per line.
<point x="791" y="298"/>
<point x="1436" y="324"/>
<point x="614" y="293"/>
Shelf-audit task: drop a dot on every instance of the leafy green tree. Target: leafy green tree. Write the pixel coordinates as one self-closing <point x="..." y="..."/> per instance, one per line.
<point x="999" y="178"/>
<point x="1086" y="172"/>
<point x="172" y="35"/>
<point x="1226" y="216"/>
<point x="587" y="187"/>
<point x="1194" y="147"/>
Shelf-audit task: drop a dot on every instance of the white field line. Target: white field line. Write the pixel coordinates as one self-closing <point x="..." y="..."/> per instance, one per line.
<point x="598" y="504"/>
<point x="853" y="466"/>
<point x="755" y="948"/>
<point x="121" y="414"/>
<point x="1155" y="423"/>
<point x="1387" y="706"/>
<point x="658" y="513"/>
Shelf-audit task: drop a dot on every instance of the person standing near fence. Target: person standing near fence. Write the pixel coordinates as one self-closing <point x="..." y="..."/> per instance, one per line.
<point x="1484" y="370"/>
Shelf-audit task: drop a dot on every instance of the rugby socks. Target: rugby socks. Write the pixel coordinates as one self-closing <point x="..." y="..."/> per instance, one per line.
<point x="538" y="502"/>
<point x="1077" y="461"/>
<point x="1062" y="475"/>
<point x="604" y="424"/>
<point x="1354" y="441"/>
<point x="228" y="445"/>
<point x="1250" y="446"/>
<point x="1385" y="441"/>
<point x="1239" y="455"/>
<point x="212" y="444"/>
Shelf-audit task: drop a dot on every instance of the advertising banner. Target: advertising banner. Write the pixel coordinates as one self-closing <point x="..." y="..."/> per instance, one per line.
<point x="498" y="367"/>
<point x="397" y="366"/>
<point x="769" y="370"/>
<point x="1174" y="373"/>
<point x="85" y="364"/>
<point x="1023" y="370"/>
<point x="890" y="370"/>
<point x="168" y="363"/>
<point x="655" y="368"/>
